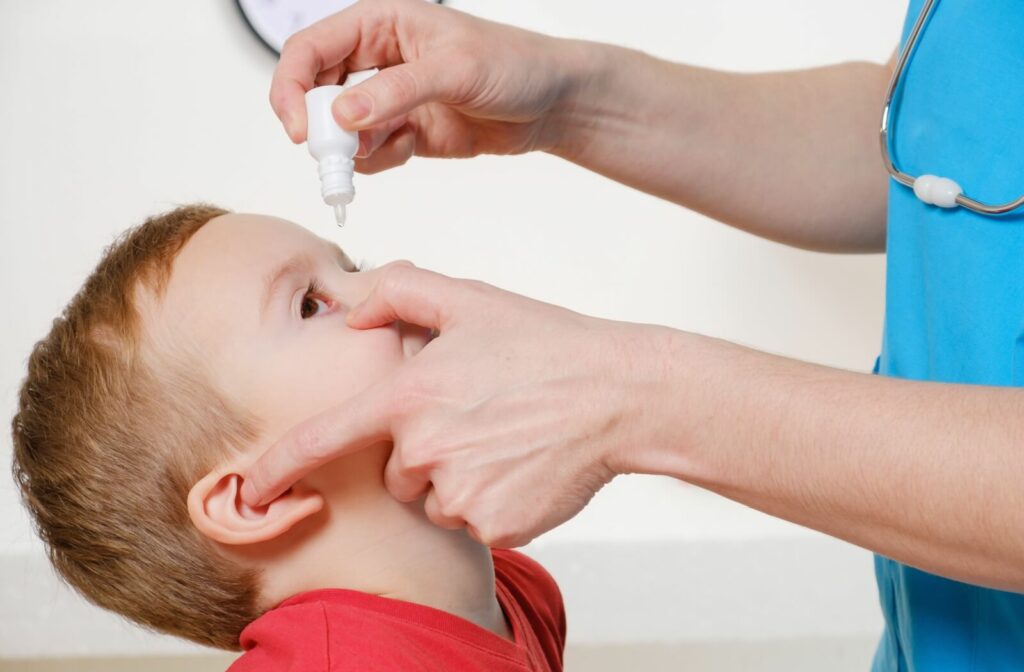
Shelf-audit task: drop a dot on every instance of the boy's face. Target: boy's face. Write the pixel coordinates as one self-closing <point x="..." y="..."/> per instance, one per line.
<point x="239" y="296"/>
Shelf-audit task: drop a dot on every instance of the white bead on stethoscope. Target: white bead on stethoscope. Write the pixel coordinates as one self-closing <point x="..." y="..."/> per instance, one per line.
<point x="935" y="190"/>
<point x="939" y="191"/>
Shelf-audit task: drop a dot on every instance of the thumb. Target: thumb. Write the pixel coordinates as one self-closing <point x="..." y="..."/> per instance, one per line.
<point x="398" y="90"/>
<point x="412" y="295"/>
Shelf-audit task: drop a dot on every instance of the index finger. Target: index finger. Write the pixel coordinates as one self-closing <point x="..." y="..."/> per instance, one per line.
<point x="304" y="56"/>
<point x="358" y="423"/>
<point x="413" y="295"/>
<point x="322" y="45"/>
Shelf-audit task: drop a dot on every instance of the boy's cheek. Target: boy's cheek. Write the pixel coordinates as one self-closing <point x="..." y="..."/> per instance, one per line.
<point x="287" y="379"/>
<point x="326" y="373"/>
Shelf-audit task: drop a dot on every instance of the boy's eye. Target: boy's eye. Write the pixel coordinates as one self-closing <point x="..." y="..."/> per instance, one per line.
<point x="312" y="301"/>
<point x="311" y="306"/>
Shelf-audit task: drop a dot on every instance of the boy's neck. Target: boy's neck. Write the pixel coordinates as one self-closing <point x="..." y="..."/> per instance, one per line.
<point x="377" y="545"/>
<point x="447" y="570"/>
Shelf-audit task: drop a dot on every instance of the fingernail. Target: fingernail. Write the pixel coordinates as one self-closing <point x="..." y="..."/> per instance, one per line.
<point x="288" y="119"/>
<point x="353" y="106"/>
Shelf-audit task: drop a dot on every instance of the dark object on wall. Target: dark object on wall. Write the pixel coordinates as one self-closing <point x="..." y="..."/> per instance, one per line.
<point x="273" y="21"/>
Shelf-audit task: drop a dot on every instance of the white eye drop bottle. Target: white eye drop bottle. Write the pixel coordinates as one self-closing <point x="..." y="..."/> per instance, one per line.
<point x="331" y="145"/>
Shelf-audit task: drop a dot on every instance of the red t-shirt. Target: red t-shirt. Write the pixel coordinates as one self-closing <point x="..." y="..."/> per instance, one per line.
<point x="336" y="630"/>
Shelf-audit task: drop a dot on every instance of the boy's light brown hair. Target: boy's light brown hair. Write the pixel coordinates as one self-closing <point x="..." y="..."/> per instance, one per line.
<point x="109" y="437"/>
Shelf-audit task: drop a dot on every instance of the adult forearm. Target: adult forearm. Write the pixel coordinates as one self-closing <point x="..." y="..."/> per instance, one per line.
<point x="924" y="473"/>
<point x="790" y="156"/>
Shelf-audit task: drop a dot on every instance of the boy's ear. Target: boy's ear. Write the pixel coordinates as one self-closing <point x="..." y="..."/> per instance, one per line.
<point x="218" y="511"/>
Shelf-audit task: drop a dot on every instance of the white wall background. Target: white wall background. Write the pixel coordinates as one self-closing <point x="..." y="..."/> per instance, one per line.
<point x="112" y="111"/>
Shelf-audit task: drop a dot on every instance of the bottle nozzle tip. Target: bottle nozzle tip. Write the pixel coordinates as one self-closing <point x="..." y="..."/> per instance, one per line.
<point x="339" y="214"/>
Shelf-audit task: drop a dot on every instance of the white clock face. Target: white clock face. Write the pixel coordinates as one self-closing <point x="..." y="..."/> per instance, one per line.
<point x="274" y="21"/>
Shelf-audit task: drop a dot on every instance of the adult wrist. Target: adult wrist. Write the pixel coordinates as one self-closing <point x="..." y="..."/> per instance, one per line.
<point x="661" y="374"/>
<point x="585" y="74"/>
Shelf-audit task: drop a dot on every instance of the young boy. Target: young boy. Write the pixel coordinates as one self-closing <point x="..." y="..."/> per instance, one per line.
<point x="200" y="338"/>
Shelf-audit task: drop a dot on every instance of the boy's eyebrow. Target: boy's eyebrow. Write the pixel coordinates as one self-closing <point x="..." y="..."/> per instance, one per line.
<point x="301" y="261"/>
<point x="298" y="262"/>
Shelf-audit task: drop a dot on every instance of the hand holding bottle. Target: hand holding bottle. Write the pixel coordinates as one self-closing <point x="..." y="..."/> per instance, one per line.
<point x="451" y="85"/>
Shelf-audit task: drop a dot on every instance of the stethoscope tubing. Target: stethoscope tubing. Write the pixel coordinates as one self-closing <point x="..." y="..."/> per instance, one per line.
<point x="907" y="179"/>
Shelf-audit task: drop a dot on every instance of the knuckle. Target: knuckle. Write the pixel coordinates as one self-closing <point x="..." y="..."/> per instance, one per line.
<point x="420" y="458"/>
<point x="391" y="481"/>
<point x="401" y="85"/>
<point x="399" y="159"/>
<point x="406" y="146"/>
<point x="399" y="484"/>
<point x="475" y="293"/>
<point x="433" y="516"/>
<point x="372" y="164"/>
<point x="486" y="535"/>
<point x="447" y="512"/>
<point x="445" y="506"/>
<point x="277" y="98"/>
<point x="394" y="277"/>
<point x="380" y="8"/>
<point x="296" y="42"/>
<point x="394" y="484"/>
<point x="391" y="267"/>
<point x="497" y="532"/>
<point x="502" y="540"/>
<point x="441" y="520"/>
<point x="396" y="462"/>
<point x="477" y="287"/>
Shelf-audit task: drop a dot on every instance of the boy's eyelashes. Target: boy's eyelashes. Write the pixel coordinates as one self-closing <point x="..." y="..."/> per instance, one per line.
<point x="314" y="296"/>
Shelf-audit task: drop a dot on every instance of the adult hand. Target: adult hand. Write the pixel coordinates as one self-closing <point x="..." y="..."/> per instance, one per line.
<point x="510" y="420"/>
<point x="451" y="85"/>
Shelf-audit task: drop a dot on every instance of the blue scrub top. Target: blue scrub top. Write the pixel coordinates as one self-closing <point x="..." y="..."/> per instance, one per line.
<point x="955" y="295"/>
